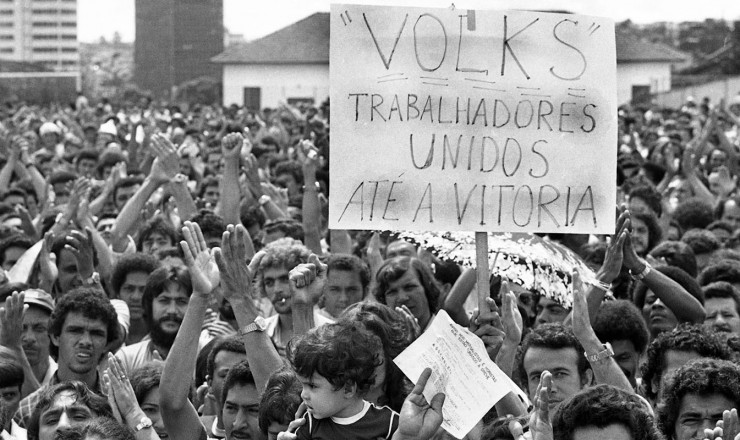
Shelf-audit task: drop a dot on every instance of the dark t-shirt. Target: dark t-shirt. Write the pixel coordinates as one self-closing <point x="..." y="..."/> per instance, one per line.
<point x="370" y="424"/>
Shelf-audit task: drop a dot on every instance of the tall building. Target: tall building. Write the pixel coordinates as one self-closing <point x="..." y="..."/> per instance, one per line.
<point x="40" y="31"/>
<point x="175" y="40"/>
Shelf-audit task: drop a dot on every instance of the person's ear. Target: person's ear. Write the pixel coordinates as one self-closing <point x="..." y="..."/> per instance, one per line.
<point x="54" y="340"/>
<point x="350" y="391"/>
<point x="588" y="378"/>
<point x="209" y="381"/>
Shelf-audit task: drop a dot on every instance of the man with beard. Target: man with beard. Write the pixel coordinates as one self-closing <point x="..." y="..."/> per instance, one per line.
<point x="82" y="328"/>
<point x="280" y="257"/>
<point x="166" y="297"/>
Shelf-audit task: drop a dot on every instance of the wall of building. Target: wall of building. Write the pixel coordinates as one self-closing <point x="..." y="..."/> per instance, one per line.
<point x="40" y="87"/>
<point x="40" y="32"/>
<point x="278" y="83"/>
<point x="727" y="88"/>
<point x="175" y="41"/>
<point x="657" y="75"/>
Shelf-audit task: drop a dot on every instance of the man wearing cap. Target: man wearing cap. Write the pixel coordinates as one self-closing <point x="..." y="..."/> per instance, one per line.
<point x="51" y="137"/>
<point x="106" y="133"/>
<point x="35" y="336"/>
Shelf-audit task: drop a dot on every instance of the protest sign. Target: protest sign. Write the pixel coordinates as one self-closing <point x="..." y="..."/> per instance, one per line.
<point x="461" y="369"/>
<point x="448" y="119"/>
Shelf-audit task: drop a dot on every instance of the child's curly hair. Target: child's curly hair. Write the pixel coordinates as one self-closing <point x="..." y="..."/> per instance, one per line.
<point x="344" y="353"/>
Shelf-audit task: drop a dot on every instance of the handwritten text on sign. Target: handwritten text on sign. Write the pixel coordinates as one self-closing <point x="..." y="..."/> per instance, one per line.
<point x="472" y="120"/>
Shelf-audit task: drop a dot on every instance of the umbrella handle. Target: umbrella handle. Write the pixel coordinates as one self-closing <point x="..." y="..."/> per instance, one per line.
<point x="481" y="270"/>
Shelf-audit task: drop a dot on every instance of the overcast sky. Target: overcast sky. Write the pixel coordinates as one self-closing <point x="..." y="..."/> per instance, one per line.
<point x="256" y="18"/>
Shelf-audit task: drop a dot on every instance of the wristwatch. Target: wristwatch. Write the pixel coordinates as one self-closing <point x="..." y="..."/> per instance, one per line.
<point x="607" y="352"/>
<point x="93" y="280"/>
<point x="259" y="325"/>
<point x="144" y="423"/>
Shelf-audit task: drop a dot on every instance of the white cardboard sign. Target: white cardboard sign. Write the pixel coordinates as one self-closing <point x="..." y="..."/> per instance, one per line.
<point x="472" y="120"/>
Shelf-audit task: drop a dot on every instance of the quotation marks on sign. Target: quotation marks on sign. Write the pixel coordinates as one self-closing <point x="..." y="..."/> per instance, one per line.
<point x="346" y="19"/>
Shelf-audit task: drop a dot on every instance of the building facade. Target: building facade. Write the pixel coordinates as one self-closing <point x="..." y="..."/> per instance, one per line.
<point x="175" y="40"/>
<point x="40" y="31"/>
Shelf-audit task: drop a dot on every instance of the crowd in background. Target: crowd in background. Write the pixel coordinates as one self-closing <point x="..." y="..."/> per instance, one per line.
<point x="168" y="271"/>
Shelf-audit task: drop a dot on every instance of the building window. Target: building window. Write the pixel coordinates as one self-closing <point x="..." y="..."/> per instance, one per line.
<point x="44" y="24"/>
<point x="7" y="37"/>
<point x="44" y="11"/>
<point x="6" y="12"/>
<point x="45" y="49"/>
<point x="69" y="49"/>
<point x="69" y="24"/>
<point x="44" y="37"/>
<point x="67" y="11"/>
<point x="69" y="37"/>
<point x="6" y="50"/>
<point x="6" y="25"/>
<point x="69" y="62"/>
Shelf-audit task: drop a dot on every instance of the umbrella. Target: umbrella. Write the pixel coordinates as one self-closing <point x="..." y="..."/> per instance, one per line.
<point x="531" y="261"/>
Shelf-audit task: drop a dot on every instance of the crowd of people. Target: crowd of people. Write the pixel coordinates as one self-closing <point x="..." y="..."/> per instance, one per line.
<point x="168" y="272"/>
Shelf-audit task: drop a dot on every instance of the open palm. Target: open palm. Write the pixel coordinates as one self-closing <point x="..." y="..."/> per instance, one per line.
<point x="199" y="259"/>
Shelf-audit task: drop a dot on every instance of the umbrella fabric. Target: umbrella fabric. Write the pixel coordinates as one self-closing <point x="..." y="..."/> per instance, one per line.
<point x="534" y="263"/>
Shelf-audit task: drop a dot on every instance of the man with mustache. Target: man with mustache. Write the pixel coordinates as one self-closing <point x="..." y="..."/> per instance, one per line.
<point x="722" y="303"/>
<point x="35" y="336"/>
<point x="166" y="298"/>
<point x="672" y="350"/>
<point x="272" y="278"/>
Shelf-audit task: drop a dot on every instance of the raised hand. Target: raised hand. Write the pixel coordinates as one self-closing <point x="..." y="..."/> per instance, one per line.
<point x="419" y="419"/>
<point x="307" y="281"/>
<point x="231" y="145"/>
<point x="81" y="246"/>
<point x="726" y="183"/>
<point x="204" y="273"/>
<point x="614" y="252"/>
<point x="489" y="328"/>
<point x="581" y="321"/>
<point x="47" y="260"/>
<point x="167" y="163"/>
<point x="511" y="319"/>
<point x="11" y="321"/>
<point x="539" y="422"/>
<point x="308" y="156"/>
<point x="630" y="260"/>
<point x="121" y="394"/>
<point x="251" y="171"/>
<point x="231" y="258"/>
<point x="278" y="195"/>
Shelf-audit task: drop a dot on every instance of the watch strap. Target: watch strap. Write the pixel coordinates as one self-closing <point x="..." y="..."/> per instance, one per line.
<point x="606" y="353"/>
<point x="144" y="423"/>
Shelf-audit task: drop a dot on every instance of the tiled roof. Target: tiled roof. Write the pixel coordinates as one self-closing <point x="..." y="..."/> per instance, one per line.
<point x="632" y="49"/>
<point x="305" y="41"/>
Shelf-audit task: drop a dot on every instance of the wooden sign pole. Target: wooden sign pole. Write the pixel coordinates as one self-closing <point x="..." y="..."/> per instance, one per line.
<point x="481" y="270"/>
